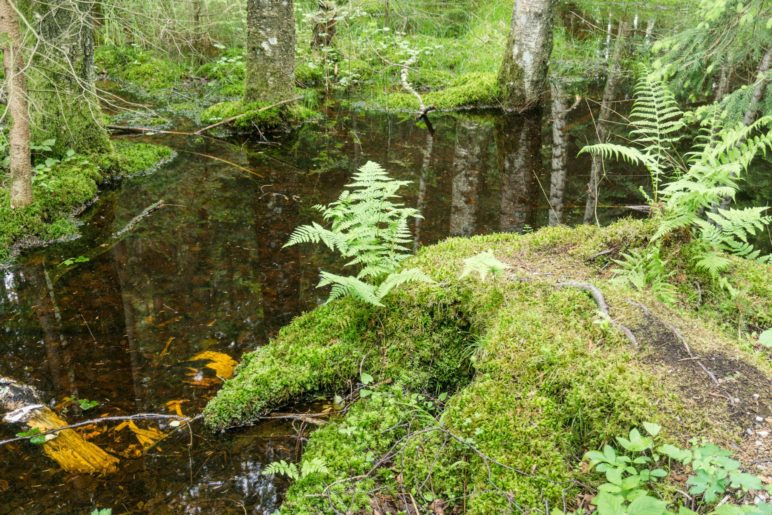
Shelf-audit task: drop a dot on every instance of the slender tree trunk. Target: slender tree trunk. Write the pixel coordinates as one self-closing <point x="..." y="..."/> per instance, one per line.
<point x="649" y="32"/>
<point x="523" y="75"/>
<point x="601" y="126"/>
<point x="758" y="91"/>
<point x="559" y="156"/>
<point x="18" y="108"/>
<point x="67" y="107"/>
<point x="270" y="50"/>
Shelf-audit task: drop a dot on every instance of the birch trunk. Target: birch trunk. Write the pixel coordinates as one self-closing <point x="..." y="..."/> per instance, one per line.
<point x="18" y="107"/>
<point x="523" y="75"/>
<point x="270" y="50"/>
<point x="758" y="91"/>
<point x="518" y="145"/>
<point x="609" y="93"/>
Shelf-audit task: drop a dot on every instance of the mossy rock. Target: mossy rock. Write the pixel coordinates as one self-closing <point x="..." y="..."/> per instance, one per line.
<point x="474" y="90"/>
<point x="487" y="394"/>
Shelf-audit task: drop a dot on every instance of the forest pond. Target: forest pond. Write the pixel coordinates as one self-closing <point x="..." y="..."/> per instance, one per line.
<point x="125" y="322"/>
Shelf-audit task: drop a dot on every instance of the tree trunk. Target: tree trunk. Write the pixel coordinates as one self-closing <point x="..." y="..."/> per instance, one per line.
<point x="758" y="92"/>
<point x="601" y="127"/>
<point x="559" y="156"/>
<point x="66" y="99"/>
<point x="18" y="108"/>
<point x="523" y="75"/>
<point x="325" y="25"/>
<point x="270" y="58"/>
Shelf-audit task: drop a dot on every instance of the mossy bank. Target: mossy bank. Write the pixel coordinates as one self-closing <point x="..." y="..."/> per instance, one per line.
<point x="484" y="395"/>
<point x="63" y="188"/>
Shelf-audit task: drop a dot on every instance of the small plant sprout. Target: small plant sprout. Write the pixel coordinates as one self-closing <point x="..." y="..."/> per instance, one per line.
<point x="484" y="264"/>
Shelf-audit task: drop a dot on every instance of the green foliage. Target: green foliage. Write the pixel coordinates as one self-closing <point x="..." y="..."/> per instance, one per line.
<point x="645" y="268"/>
<point x="698" y="184"/>
<point x="370" y="230"/>
<point x="63" y="186"/>
<point x="483" y="264"/>
<point x="34" y="436"/>
<point x="631" y="477"/>
<point x="309" y="467"/>
<point x="765" y="338"/>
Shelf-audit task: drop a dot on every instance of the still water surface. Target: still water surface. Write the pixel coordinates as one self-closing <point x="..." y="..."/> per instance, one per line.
<point x="207" y="273"/>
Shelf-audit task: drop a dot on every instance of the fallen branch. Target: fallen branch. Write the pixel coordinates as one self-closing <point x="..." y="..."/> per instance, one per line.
<point x="423" y="110"/>
<point x="597" y="296"/>
<point x="134" y="221"/>
<point x="242" y="115"/>
<point x="63" y="445"/>
<point x="145" y="130"/>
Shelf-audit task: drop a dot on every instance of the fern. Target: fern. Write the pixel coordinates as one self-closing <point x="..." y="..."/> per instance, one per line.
<point x="370" y="229"/>
<point x="709" y="176"/>
<point x="282" y="468"/>
<point x="645" y="268"/>
<point x="483" y="264"/>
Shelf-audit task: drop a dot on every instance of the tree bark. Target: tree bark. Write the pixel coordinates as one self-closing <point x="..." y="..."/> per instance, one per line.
<point x="18" y="107"/>
<point x="270" y="62"/>
<point x="758" y="92"/>
<point x="523" y="75"/>
<point x="559" y="156"/>
<point x="66" y="99"/>
<point x="609" y="93"/>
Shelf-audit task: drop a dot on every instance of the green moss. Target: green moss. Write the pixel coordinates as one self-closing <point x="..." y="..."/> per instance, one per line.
<point x="65" y="188"/>
<point x="471" y="90"/>
<point x="130" y="158"/>
<point x="257" y="114"/>
<point x="536" y="377"/>
<point x="150" y="74"/>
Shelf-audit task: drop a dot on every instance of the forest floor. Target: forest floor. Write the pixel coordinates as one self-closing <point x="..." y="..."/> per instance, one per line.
<point x="486" y="394"/>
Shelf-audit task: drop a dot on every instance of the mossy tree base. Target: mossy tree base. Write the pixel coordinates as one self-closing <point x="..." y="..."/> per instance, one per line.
<point x="67" y="188"/>
<point x="535" y="377"/>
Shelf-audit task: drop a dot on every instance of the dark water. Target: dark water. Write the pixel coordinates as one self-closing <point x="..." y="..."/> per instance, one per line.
<point x="207" y="273"/>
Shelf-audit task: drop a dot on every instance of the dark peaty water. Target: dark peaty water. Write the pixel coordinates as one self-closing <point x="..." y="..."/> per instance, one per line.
<point x="207" y="273"/>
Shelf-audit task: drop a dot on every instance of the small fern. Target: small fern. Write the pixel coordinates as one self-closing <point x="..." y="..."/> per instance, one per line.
<point x="645" y="268"/>
<point x="290" y="470"/>
<point x="370" y="229"/>
<point x="484" y="264"/>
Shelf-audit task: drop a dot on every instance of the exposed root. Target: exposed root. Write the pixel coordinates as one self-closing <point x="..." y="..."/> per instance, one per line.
<point x="600" y="300"/>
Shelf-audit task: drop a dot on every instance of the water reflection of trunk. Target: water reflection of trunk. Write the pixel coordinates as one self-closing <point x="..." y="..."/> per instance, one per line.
<point x="421" y="201"/>
<point x="276" y="216"/>
<point x="468" y="167"/>
<point x="601" y="127"/>
<point x="50" y="320"/>
<point x="518" y="144"/>
<point x="558" y="176"/>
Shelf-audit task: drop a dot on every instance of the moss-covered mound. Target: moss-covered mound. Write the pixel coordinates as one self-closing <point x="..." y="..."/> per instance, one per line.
<point x="483" y="396"/>
<point x="64" y="188"/>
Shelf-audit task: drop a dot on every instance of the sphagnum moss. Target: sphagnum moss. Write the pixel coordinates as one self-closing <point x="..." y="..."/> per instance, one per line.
<point x="535" y="378"/>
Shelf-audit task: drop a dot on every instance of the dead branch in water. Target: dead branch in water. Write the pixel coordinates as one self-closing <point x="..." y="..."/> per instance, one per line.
<point x="423" y="110"/>
<point x="134" y="221"/>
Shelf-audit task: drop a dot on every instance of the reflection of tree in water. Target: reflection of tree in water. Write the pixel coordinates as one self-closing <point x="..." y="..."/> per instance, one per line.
<point x="518" y="141"/>
<point x="469" y="165"/>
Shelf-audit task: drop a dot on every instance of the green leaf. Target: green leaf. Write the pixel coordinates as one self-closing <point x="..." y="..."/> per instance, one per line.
<point x="745" y="481"/>
<point x="366" y="378"/>
<point x="651" y="428"/>
<point x="34" y="435"/>
<point x="765" y="338"/>
<point x="609" y="504"/>
<point x="646" y="505"/>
